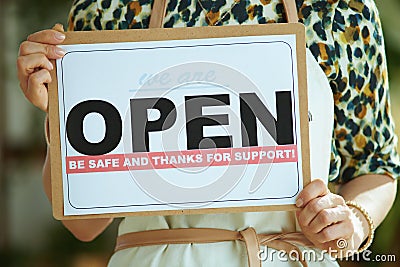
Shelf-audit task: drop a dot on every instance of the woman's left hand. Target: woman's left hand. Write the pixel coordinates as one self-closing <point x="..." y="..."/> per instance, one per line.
<point x="326" y="220"/>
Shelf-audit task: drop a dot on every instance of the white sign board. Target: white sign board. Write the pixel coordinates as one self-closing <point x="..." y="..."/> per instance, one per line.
<point x="177" y="125"/>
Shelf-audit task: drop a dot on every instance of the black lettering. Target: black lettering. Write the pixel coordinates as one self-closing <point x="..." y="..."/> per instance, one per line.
<point x="112" y="121"/>
<point x="252" y="108"/>
<point x="196" y="120"/>
<point x="141" y="126"/>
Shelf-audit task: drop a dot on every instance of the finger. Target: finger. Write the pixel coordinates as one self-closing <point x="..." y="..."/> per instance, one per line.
<point x="342" y="230"/>
<point x="47" y="37"/>
<point x="315" y="206"/>
<point x="330" y="247"/>
<point x="328" y="217"/>
<point x="50" y="51"/>
<point x="29" y="63"/>
<point x="316" y="188"/>
<point x="26" y="65"/>
<point x="37" y="92"/>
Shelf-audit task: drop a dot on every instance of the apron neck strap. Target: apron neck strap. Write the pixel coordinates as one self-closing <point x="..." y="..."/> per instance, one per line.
<point x="158" y="13"/>
<point x="291" y="11"/>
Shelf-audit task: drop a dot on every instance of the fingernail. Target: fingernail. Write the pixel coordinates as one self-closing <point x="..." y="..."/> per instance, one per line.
<point x="59" y="36"/>
<point x="60" y="52"/>
<point x="51" y="67"/>
<point x="299" y="202"/>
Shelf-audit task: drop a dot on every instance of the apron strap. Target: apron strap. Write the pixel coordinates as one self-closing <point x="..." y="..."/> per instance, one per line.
<point x="252" y="246"/>
<point x="291" y="11"/>
<point x="284" y="241"/>
<point x="158" y="13"/>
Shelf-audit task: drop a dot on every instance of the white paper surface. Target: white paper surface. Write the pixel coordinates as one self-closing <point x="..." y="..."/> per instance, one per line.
<point x="117" y="73"/>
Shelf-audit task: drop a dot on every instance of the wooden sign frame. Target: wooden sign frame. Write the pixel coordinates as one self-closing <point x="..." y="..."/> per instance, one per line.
<point x="176" y="34"/>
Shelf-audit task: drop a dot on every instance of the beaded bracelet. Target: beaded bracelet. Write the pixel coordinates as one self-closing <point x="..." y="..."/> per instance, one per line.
<point x="370" y="224"/>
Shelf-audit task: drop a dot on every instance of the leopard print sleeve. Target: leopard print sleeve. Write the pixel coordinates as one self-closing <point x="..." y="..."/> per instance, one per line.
<point x="345" y="37"/>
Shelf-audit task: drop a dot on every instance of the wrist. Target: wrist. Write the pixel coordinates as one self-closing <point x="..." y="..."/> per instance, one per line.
<point x="363" y="226"/>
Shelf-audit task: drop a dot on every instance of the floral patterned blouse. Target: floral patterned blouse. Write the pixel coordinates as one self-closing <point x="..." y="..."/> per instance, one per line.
<point x="345" y="37"/>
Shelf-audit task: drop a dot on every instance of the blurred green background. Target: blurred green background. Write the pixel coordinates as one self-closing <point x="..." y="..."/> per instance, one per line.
<point x="29" y="236"/>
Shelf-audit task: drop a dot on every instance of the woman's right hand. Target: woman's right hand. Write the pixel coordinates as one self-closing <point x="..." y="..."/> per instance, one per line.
<point x="34" y="64"/>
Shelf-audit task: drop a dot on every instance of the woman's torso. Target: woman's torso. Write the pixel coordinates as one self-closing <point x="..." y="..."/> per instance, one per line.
<point x="331" y="27"/>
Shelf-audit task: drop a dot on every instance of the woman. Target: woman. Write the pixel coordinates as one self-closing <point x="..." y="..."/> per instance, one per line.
<point x="345" y="38"/>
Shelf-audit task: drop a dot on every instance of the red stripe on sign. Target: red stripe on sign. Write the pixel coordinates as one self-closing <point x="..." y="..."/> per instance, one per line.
<point x="182" y="159"/>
